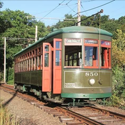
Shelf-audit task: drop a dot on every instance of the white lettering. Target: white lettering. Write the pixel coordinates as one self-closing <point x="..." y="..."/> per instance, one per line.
<point x="91" y="74"/>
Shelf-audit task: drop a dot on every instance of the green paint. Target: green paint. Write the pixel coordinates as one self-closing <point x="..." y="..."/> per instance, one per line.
<point x="24" y="88"/>
<point x="82" y="95"/>
<point x="29" y="78"/>
<point x="73" y="102"/>
<point x="72" y="29"/>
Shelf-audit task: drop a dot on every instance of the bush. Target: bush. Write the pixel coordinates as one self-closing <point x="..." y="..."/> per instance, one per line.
<point x="10" y="76"/>
<point x="1" y="76"/>
<point x="118" y="83"/>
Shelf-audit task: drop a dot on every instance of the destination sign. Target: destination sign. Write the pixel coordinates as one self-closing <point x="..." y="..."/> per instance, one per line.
<point x="91" y="41"/>
<point x="73" y="40"/>
<point x="105" y="43"/>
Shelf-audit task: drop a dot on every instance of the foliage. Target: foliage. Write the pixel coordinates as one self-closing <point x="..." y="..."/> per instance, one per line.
<point x="17" y="25"/>
<point x="1" y="76"/>
<point x="10" y="75"/>
<point x="118" y="49"/>
<point x="1" y="4"/>
<point x="118" y="70"/>
<point x="118" y="93"/>
<point x="65" y="23"/>
<point x="118" y="82"/>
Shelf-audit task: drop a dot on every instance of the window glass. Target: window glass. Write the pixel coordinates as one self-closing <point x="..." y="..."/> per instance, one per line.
<point x="39" y="61"/>
<point x="105" y="57"/>
<point x="33" y="63"/>
<point x="36" y="62"/>
<point x="47" y="48"/>
<point x="91" y="56"/>
<point x="70" y="62"/>
<point x="66" y="57"/>
<point x="30" y="64"/>
<point x="72" y="55"/>
<point x="74" y="62"/>
<point x="58" y="54"/>
<point x="91" y="41"/>
<point x="57" y="45"/>
<point x="46" y="60"/>
<point x="75" y="55"/>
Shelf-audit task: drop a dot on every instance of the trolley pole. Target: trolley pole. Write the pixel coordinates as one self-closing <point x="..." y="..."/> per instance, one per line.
<point x="36" y="33"/>
<point x="4" y="59"/>
<point x="79" y="17"/>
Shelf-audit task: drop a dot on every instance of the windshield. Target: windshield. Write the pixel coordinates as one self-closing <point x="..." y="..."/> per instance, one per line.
<point x="87" y="55"/>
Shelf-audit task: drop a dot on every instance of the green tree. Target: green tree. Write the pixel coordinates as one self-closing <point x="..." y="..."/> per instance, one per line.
<point x="65" y="23"/>
<point x="17" y="24"/>
<point x="118" y="49"/>
<point x="1" y="4"/>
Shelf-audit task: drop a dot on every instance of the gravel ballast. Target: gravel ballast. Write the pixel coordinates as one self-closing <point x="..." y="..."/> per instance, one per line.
<point x="26" y="113"/>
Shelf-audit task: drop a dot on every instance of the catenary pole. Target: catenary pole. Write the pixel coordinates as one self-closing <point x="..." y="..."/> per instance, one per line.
<point x="4" y="59"/>
<point x="79" y="17"/>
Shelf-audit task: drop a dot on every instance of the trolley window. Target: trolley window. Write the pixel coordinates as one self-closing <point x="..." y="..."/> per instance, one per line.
<point x="73" y="53"/>
<point x="91" y="54"/>
<point x="105" y="54"/>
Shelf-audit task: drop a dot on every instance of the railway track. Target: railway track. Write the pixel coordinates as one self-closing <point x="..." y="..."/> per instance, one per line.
<point x="72" y="115"/>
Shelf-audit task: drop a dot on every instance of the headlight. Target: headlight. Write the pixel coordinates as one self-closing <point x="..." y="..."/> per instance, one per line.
<point x="92" y="81"/>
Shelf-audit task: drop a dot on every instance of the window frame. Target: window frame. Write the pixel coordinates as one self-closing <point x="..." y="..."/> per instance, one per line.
<point x="90" y="45"/>
<point x="109" y="47"/>
<point x="71" y="44"/>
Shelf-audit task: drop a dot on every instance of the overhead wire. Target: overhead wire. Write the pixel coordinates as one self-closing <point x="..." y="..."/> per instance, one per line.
<point x="50" y="10"/>
<point x="83" y="7"/>
<point x="69" y="6"/>
<point x="95" y="7"/>
<point x="101" y="11"/>
<point x="69" y="2"/>
<point x="53" y="9"/>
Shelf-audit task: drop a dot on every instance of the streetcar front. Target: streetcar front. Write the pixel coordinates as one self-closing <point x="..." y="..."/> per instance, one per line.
<point x="86" y="65"/>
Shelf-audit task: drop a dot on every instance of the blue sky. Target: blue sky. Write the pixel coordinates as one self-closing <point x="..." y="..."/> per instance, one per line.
<point x="40" y="8"/>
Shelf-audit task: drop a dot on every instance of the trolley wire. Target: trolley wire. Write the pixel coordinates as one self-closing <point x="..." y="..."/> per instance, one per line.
<point x="69" y="2"/>
<point x="95" y="7"/>
<point x="101" y="11"/>
<point x="53" y="9"/>
<point x="71" y="8"/>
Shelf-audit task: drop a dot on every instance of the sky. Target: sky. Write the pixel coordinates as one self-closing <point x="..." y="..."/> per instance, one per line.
<point x="43" y="10"/>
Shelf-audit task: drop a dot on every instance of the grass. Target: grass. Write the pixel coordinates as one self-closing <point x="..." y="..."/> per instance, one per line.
<point x="6" y="118"/>
<point x="11" y="82"/>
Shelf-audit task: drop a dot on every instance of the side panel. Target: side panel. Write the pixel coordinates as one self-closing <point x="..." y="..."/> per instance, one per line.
<point x="47" y="70"/>
<point x="29" y="78"/>
<point x="57" y="63"/>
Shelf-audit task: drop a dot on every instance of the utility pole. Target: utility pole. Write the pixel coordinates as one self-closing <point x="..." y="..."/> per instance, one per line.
<point x="4" y="59"/>
<point x="79" y="17"/>
<point x="36" y="34"/>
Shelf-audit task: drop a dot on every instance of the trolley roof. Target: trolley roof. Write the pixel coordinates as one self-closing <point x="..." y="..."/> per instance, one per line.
<point x="72" y="29"/>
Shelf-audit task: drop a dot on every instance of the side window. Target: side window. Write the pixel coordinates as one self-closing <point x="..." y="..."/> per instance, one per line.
<point x="105" y="54"/>
<point x="58" y="53"/>
<point x="91" y="53"/>
<point x="91" y="56"/>
<point x="46" y="57"/>
<point x="73" y="53"/>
